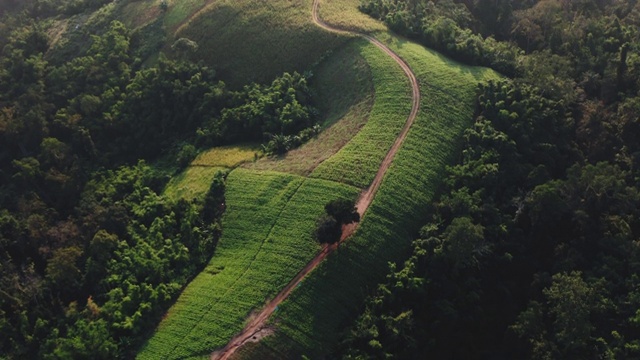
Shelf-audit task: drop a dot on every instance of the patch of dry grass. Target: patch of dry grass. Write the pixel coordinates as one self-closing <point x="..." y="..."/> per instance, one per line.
<point x="226" y="156"/>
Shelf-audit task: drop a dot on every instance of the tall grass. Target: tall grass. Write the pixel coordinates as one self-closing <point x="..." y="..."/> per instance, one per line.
<point x="195" y="180"/>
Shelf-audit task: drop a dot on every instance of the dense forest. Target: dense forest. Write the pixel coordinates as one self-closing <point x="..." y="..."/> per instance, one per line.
<point x="91" y="252"/>
<point x="532" y="250"/>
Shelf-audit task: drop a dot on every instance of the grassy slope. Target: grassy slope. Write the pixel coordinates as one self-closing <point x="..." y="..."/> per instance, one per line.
<point x="358" y="162"/>
<point x="344" y="96"/>
<point x="267" y="239"/>
<point x="310" y="320"/>
<point x="255" y="40"/>
<point x="344" y="14"/>
<point x="243" y="40"/>
<point x="195" y="180"/>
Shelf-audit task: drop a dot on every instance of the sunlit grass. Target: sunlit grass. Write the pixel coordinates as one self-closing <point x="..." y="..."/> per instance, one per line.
<point x="255" y="40"/>
<point x="310" y="320"/>
<point x="358" y="161"/>
<point x="192" y="183"/>
<point x="195" y="180"/>
<point x="227" y="156"/>
<point x="344" y="91"/>
<point x="267" y="239"/>
<point x="344" y="14"/>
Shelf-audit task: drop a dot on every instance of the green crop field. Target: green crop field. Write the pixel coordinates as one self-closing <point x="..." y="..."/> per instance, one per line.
<point x="256" y="40"/>
<point x="309" y="320"/>
<point x="344" y="90"/>
<point x="271" y="215"/>
<point x="358" y="161"/>
<point x="267" y="239"/>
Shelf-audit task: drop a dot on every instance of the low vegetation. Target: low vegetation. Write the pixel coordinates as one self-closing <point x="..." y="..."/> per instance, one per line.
<point x="358" y="161"/>
<point x="309" y="321"/>
<point x="194" y="181"/>
<point x="268" y="237"/>
<point x="344" y="93"/>
<point x="343" y="14"/>
<point x="229" y="156"/>
<point x="231" y="33"/>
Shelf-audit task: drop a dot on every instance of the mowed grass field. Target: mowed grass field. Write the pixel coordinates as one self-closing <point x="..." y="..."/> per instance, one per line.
<point x="345" y="95"/>
<point x="310" y="320"/>
<point x="257" y="40"/>
<point x="267" y="239"/>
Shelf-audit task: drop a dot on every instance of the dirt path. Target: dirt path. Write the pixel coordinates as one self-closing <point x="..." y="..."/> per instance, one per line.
<point x="256" y="328"/>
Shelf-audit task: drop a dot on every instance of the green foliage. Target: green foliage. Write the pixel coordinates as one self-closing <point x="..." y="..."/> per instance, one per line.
<point x="283" y="108"/>
<point x="186" y="154"/>
<point x="338" y="212"/>
<point x="106" y="274"/>
<point x="532" y="249"/>
<point x="281" y="32"/>
<point x="328" y="229"/>
<point x="444" y="26"/>
<point x="310" y="319"/>
<point x="268" y="226"/>
<point x="343" y="210"/>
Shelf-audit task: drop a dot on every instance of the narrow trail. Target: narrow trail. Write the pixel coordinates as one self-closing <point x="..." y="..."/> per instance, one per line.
<point x="256" y="328"/>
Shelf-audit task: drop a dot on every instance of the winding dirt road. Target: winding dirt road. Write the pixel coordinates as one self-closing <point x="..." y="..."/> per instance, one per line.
<point x="256" y="328"/>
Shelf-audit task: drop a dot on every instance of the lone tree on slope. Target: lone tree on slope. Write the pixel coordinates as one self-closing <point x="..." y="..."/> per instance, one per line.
<point x="338" y="212"/>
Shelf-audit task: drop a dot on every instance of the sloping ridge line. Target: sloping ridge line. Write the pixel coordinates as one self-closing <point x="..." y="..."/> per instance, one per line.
<point x="256" y="328"/>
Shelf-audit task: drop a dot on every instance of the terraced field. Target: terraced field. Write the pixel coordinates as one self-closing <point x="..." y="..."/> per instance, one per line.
<point x="226" y="317"/>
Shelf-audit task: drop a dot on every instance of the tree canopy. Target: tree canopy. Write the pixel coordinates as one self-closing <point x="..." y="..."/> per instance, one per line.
<point x="531" y="249"/>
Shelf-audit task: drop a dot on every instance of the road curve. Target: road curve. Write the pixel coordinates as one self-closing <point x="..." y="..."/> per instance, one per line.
<point x="256" y="328"/>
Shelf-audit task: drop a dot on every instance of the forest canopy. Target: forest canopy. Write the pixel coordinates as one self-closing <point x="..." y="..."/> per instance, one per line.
<point x="532" y="249"/>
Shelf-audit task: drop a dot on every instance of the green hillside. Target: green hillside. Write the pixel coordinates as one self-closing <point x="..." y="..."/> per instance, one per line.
<point x="309" y="321"/>
<point x="253" y="40"/>
<point x="168" y="169"/>
<point x="267" y="238"/>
